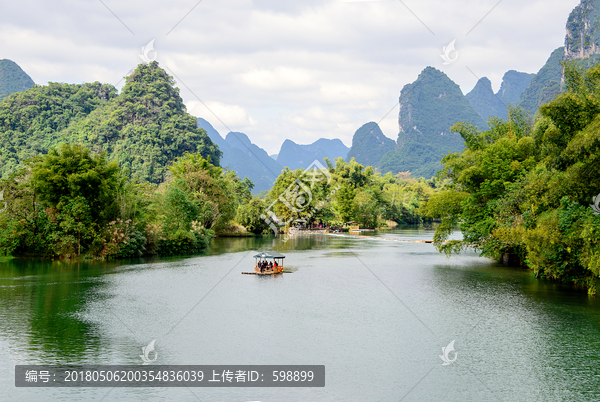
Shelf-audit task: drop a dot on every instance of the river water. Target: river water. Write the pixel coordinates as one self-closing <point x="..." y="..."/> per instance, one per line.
<point x="375" y="311"/>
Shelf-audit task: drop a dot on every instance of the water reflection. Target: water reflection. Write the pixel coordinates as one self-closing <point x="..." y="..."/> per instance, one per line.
<point x="38" y="305"/>
<point x="278" y="243"/>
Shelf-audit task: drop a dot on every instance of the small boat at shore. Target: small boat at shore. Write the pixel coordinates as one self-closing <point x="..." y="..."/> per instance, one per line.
<point x="263" y="258"/>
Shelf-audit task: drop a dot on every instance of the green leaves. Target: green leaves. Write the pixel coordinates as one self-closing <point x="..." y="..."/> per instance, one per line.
<point x="145" y="128"/>
<point x="73" y="203"/>
<point x="525" y="190"/>
<point x="344" y="203"/>
<point x="71" y="172"/>
<point x="75" y="227"/>
<point x="248" y="215"/>
<point x="67" y="198"/>
<point x="354" y="193"/>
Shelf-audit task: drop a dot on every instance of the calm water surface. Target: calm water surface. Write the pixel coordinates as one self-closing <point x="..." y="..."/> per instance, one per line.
<point x="375" y="311"/>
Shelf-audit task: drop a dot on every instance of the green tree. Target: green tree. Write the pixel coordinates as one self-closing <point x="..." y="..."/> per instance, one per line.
<point x="366" y="209"/>
<point x="484" y="170"/>
<point x="525" y="190"/>
<point x="344" y="202"/>
<point x="73" y="171"/>
<point x="215" y="192"/>
<point x="248" y="215"/>
<point x="74" y="226"/>
<point x="24" y="225"/>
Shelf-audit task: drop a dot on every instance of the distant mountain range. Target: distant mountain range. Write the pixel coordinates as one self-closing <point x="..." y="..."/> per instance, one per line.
<point x="249" y="160"/>
<point x="13" y="78"/>
<point x="428" y="107"/>
<point x="431" y="104"/>
<point x="244" y="157"/>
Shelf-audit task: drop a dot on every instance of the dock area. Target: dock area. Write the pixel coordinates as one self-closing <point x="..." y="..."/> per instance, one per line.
<point x="380" y="238"/>
<point x="295" y="231"/>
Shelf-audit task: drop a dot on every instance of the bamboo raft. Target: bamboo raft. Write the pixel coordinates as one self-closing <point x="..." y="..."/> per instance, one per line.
<point x="268" y="255"/>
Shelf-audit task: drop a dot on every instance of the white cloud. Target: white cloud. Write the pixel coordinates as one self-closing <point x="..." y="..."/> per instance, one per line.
<point x="348" y="92"/>
<point x="315" y="119"/>
<point x="229" y="117"/>
<point x="278" y="79"/>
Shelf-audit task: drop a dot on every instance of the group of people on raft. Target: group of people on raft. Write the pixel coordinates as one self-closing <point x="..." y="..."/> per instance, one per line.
<point x="266" y="266"/>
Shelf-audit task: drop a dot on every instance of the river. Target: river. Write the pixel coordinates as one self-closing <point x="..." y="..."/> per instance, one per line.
<point x="375" y="311"/>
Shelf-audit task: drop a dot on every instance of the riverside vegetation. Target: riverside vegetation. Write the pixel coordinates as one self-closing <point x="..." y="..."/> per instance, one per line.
<point x="74" y="203"/>
<point x="362" y="195"/>
<point x="524" y="188"/>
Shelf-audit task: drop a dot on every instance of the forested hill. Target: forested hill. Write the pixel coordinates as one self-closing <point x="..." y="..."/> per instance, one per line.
<point x="489" y="104"/>
<point x="369" y="144"/>
<point x="545" y="85"/>
<point x="144" y="128"/>
<point x="428" y="107"/>
<point x="13" y="78"/>
<point x="484" y="101"/>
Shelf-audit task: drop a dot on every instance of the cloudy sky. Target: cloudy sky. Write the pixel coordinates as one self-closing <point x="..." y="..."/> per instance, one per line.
<point x="275" y="69"/>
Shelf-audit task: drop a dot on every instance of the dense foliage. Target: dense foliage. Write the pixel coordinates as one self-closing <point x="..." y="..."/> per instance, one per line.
<point x="31" y="122"/>
<point x="74" y="203"/>
<point x="347" y="192"/>
<point x="524" y="189"/>
<point x="144" y="128"/>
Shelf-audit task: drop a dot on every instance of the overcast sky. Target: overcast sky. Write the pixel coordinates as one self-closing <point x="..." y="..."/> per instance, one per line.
<point x="274" y="69"/>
